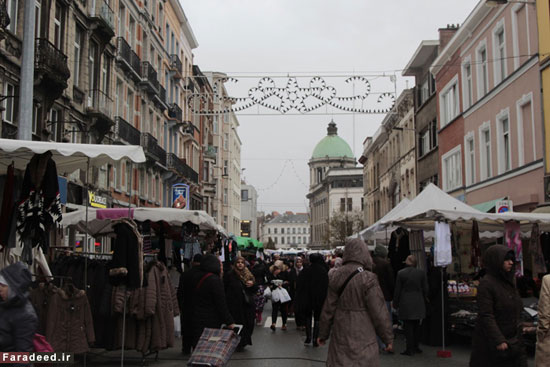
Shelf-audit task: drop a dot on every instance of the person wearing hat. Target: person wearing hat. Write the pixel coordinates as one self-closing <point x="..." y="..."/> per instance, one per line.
<point x="18" y="320"/>
<point x="496" y="340"/>
<point x="409" y="299"/>
<point x="383" y="270"/>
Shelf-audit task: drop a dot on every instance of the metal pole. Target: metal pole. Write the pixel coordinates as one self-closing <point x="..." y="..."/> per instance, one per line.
<point x="86" y="239"/>
<point x="26" y="85"/>
<point x="123" y="330"/>
<point x="443" y="306"/>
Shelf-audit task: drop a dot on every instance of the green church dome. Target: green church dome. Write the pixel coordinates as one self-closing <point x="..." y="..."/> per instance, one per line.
<point x="332" y="145"/>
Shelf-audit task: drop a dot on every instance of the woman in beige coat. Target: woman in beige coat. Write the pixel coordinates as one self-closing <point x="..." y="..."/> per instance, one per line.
<point x="355" y="318"/>
<point x="542" y="355"/>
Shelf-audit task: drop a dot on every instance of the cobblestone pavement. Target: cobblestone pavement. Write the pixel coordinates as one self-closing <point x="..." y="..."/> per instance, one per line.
<point x="285" y="348"/>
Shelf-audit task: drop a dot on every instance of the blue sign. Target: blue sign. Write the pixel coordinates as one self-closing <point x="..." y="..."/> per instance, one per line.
<point x="62" y="182"/>
<point x="180" y="196"/>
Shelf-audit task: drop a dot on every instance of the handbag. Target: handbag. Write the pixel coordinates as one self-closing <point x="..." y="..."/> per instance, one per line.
<point x="247" y="297"/>
<point x="267" y="293"/>
<point x="41" y="345"/>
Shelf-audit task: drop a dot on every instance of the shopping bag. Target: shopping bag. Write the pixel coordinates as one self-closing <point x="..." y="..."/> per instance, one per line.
<point x="283" y="295"/>
<point x="276" y="295"/>
<point x="267" y="293"/>
<point x="41" y="345"/>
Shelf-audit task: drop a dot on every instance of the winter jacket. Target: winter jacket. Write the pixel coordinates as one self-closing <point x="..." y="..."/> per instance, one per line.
<point x="127" y="263"/>
<point x="69" y="325"/>
<point x="411" y="292"/>
<point x="18" y="321"/>
<point x="498" y="319"/>
<point x="355" y="318"/>
<point x="209" y="303"/>
<point x="383" y="270"/>
<point x="241" y="311"/>
<point x="314" y="288"/>
<point x="542" y="354"/>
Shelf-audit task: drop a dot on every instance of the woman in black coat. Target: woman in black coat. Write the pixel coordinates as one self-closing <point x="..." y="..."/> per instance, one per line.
<point x="278" y="274"/>
<point x="209" y="306"/>
<point x="239" y="293"/>
<point x="313" y="287"/>
<point x="18" y="321"/>
<point x="497" y="339"/>
<point x="259" y="270"/>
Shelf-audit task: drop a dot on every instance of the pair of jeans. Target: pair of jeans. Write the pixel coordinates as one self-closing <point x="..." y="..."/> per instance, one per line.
<point x="275" y="312"/>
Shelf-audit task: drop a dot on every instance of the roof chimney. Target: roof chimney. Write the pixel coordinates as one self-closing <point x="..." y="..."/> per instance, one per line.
<point x="445" y="35"/>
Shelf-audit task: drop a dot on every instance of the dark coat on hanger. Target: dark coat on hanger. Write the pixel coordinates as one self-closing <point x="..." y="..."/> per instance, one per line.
<point x="127" y="263"/>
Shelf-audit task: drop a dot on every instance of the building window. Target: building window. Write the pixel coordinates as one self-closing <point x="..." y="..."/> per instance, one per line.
<point x="128" y="177"/>
<point x="467" y="84"/>
<point x="78" y="39"/>
<point x="11" y="7"/>
<point x="485" y="151"/>
<point x="499" y="53"/>
<point x="275" y="230"/>
<point x="54" y="121"/>
<point x="225" y="221"/>
<point x="425" y="90"/>
<point x="244" y="195"/>
<point x="470" y="159"/>
<point x="482" y="71"/>
<point x="342" y="204"/>
<point x="121" y="19"/>
<point x="452" y="175"/>
<point x="275" y="240"/>
<point x="350" y="204"/>
<point x="449" y="102"/>
<point x="9" y="103"/>
<point x="282" y="231"/>
<point x="92" y="80"/>
<point x="226" y="141"/>
<point x="269" y="231"/>
<point x="225" y="198"/>
<point x="282" y="240"/>
<point x="424" y="146"/>
<point x="504" y="146"/>
<point x="59" y="26"/>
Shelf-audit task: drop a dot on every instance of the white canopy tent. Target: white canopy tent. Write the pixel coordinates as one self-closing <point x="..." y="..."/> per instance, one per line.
<point x="68" y="157"/>
<point x="100" y="220"/>
<point x="375" y="232"/>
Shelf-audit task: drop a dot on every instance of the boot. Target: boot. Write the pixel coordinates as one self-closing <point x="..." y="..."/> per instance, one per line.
<point x="315" y="333"/>
<point x="308" y="334"/>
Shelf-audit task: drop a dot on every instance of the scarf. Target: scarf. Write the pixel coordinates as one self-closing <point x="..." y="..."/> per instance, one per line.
<point x="245" y="275"/>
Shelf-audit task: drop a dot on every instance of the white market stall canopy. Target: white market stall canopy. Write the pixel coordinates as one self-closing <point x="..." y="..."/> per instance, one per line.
<point x="375" y="231"/>
<point x="68" y="157"/>
<point x="100" y="220"/>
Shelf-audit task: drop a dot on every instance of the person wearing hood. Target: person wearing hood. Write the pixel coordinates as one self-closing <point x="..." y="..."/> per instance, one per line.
<point x="497" y="339"/>
<point x="18" y="320"/>
<point x="354" y="317"/>
<point x="209" y="305"/>
<point x="315" y="279"/>
<point x="409" y="299"/>
<point x="185" y="302"/>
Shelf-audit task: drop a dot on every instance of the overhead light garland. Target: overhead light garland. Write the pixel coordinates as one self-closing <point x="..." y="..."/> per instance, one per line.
<point x="293" y="97"/>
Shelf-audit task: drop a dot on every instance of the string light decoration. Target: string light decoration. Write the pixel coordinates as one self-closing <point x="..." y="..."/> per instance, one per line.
<point x="293" y="97"/>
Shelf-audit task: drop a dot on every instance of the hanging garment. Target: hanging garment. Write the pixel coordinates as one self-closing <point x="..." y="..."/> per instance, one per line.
<point x="127" y="264"/>
<point x="539" y="265"/>
<point x="443" y="251"/>
<point x="69" y="326"/>
<point x="7" y="207"/>
<point x="512" y="239"/>
<point x="398" y="249"/>
<point x="475" y="254"/>
<point x="416" y="245"/>
<point x="39" y="205"/>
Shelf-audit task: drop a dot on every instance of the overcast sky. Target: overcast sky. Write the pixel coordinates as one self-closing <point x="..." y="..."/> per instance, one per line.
<point x="250" y="39"/>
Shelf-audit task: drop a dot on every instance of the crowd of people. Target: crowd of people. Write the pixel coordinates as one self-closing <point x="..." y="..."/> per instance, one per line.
<point x="347" y="299"/>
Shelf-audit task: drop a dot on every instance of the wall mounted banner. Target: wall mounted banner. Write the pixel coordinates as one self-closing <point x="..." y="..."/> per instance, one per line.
<point x="180" y="196"/>
<point x="97" y="201"/>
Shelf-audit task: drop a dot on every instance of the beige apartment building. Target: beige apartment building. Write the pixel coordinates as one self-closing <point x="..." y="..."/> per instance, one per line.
<point x="114" y="72"/>
<point x="389" y="160"/>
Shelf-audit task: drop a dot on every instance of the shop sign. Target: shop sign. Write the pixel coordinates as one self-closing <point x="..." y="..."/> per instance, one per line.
<point x="503" y="206"/>
<point x="180" y="196"/>
<point x="97" y="201"/>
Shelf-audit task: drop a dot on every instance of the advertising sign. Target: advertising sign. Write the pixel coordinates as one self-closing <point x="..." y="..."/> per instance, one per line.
<point x="503" y="206"/>
<point x="97" y="201"/>
<point x="180" y="196"/>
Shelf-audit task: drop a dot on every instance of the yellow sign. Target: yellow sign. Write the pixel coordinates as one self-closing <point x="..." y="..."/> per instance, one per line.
<point x="97" y="201"/>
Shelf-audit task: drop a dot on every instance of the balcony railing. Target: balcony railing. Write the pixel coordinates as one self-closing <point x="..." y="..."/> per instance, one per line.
<point x="100" y="103"/>
<point x="149" y="76"/>
<point x="51" y="60"/>
<point x="128" y="57"/>
<point x="190" y="128"/>
<point x="181" y="168"/>
<point x="162" y="94"/>
<point x="175" y="112"/>
<point x="151" y="148"/>
<point x="211" y="152"/>
<point x="103" y="12"/>
<point x="126" y="132"/>
<point x="176" y="64"/>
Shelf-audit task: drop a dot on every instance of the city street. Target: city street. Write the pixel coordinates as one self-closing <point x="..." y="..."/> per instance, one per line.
<point x="285" y="348"/>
